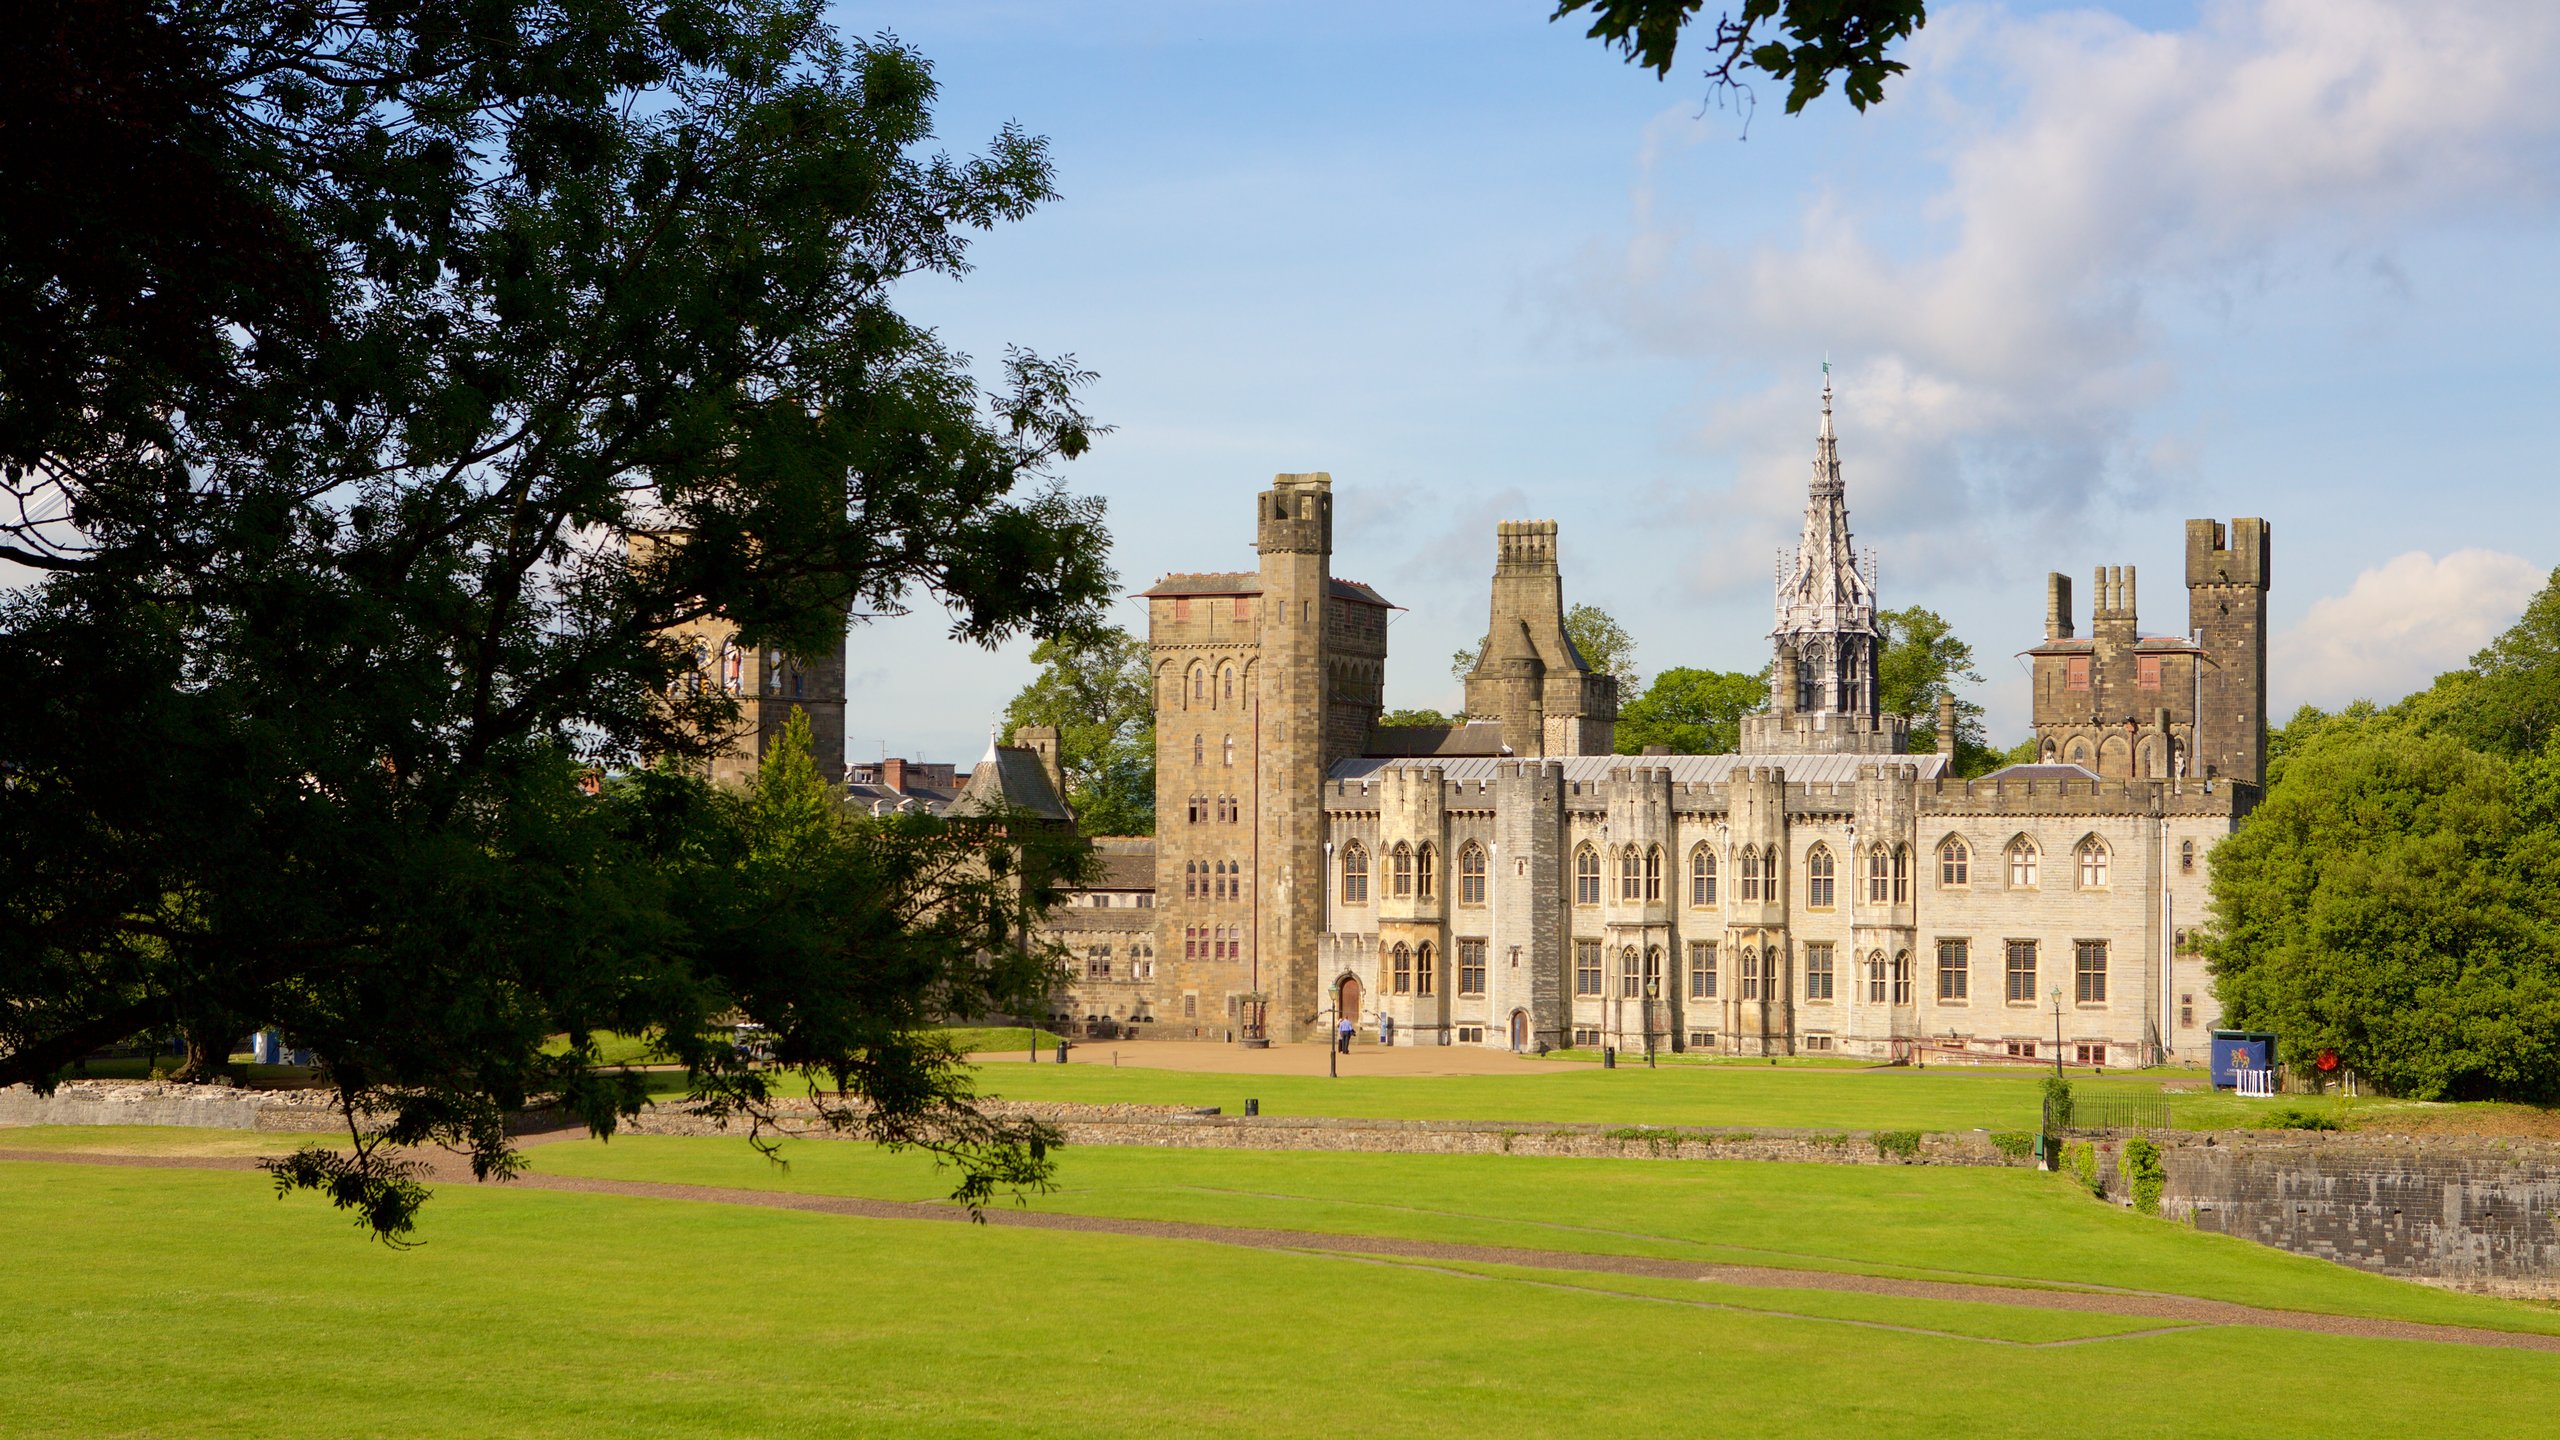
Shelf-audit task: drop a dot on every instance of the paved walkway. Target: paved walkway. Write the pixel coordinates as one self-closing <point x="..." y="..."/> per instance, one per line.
<point x="2175" y="1311"/>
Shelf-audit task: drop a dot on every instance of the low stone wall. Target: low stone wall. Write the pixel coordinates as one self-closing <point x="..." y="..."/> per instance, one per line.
<point x="1192" y="1129"/>
<point x="154" y="1102"/>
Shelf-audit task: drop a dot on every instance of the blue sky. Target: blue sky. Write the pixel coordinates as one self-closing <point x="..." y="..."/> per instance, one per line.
<point x="2085" y="273"/>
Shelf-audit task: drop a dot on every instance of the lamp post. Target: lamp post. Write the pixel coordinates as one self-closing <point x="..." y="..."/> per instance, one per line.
<point x="2057" y="1032"/>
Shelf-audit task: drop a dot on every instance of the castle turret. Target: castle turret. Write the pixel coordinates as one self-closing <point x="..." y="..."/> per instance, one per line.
<point x="2227" y="577"/>
<point x="1294" y="537"/>
<point x="1531" y="678"/>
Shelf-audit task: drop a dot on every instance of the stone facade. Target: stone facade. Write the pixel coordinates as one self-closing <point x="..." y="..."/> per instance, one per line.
<point x="1507" y="881"/>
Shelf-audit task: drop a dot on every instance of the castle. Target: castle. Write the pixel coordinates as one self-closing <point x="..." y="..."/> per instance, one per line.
<point x="1509" y="881"/>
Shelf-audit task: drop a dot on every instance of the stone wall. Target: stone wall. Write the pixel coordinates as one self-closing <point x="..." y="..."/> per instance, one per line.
<point x="217" y="1107"/>
<point x="2481" y="1214"/>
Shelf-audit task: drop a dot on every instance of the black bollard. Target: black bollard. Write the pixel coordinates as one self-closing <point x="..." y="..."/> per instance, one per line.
<point x="1608" y="1057"/>
<point x="1062" y="1052"/>
<point x="1253" y="1107"/>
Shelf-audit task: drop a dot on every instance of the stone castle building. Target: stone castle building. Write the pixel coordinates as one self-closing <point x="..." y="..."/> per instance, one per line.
<point x="1509" y="881"/>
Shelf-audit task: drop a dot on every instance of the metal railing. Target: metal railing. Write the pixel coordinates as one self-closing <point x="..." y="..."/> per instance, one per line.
<point x="2107" y="1112"/>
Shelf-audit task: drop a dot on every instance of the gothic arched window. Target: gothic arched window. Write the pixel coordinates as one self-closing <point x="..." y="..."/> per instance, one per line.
<point x="2022" y="863"/>
<point x="1955" y="862"/>
<point x="1471" y="875"/>
<point x="1400" y="870"/>
<point x="1355" y="874"/>
<point x="1702" y="877"/>
<point x="1426" y="872"/>
<point x="1231" y="750"/>
<point x="1653" y="874"/>
<point x="2186" y="857"/>
<point x="2093" y="864"/>
<point x="1199" y="749"/>
<point x="1750" y="866"/>
<point x="1901" y="874"/>
<point x="1630" y="874"/>
<point x="1879" y="870"/>
<point x="1401" y="962"/>
<point x="1817" y="878"/>
<point x="1426" y="970"/>
<point x="1586" y="876"/>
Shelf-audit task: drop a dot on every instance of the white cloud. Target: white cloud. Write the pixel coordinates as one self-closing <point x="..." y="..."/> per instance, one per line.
<point x="2400" y="625"/>
<point x="2102" y="185"/>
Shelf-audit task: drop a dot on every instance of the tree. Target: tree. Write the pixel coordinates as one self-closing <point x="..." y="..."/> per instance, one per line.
<point x="1922" y="660"/>
<point x="2512" y="706"/>
<point x="1096" y="688"/>
<point x="346" y="528"/>
<point x="1694" y="712"/>
<point x="1813" y="41"/>
<point x="2391" y="900"/>
<point x="1393" y="719"/>
<point x="1604" y="644"/>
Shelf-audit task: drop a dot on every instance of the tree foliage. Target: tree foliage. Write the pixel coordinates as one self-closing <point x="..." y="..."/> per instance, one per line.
<point x="2392" y="896"/>
<point x="1694" y="712"/>
<point x="1603" y="643"/>
<point x="1801" y="44"/>
<point x="1924" y="659"/>
<point x="1096" y="688"/>
<point x="1414" y="718"/>
<point x="352" y="358"/>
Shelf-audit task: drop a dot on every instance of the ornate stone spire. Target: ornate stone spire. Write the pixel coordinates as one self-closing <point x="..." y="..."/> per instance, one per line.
<point x="1824" y="589"/>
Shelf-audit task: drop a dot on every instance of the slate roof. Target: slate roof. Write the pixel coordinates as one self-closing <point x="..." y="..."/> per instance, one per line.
<point x="1010" y="779"/>
<point x="1247" y="582"/>
<point x="2042" y="772"/>
<point x="1476" y="737"/>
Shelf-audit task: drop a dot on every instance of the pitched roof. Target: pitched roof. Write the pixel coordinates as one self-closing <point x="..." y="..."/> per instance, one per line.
<point x="1010" y="779"/>
<point x="1475" y="737"/>
<point x="1247" y="582"/>
<point x="2042" y="772"/>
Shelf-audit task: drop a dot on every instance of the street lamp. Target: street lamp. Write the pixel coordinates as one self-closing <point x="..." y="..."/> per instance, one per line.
<point x="2057" y="1032"/>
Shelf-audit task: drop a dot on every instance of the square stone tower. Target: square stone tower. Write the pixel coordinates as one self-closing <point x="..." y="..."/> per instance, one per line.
<point x="1530" y="677"/>
<point x="1263" y="680"/>
<point x="2227" y="580"/>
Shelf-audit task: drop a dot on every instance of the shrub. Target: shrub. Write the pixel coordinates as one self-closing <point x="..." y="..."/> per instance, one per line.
<point x="2293" y="1118"/>
<point x="2016" y="1144"/>
<point x="2082" y="1158"/>
<point x="2143" y="1174"/>
<point x="1904" y="1144"/>
<point x="2057" y="1102"/>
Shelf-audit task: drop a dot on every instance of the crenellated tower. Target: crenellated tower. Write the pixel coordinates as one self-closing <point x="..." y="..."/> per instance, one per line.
<point x="2227" y="612"/>
<point x="1530" y="677"/>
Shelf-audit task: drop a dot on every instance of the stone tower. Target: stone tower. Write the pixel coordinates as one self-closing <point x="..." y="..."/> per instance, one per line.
<point x="2227" y="611"/>
<point x="767" y="683"/>
<point x="1822" y="676"/>
<point x="1294" y="536"/>
<point x="1530" y="677"/>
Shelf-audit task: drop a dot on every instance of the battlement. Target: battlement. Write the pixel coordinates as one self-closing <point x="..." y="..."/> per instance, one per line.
<point x="1525" y="547"/>
<point x="1296" y="515"/>
<point x="2237" y="556"/>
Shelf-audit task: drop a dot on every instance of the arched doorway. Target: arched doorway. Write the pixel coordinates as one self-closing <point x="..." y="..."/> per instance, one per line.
<point x="1346" y="999"/>
<point x="1519" y="1029"/>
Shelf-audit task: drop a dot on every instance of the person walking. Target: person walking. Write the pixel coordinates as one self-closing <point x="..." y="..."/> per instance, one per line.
<point x="1386" y="1030"/>
<point x="1342" y="1029"/>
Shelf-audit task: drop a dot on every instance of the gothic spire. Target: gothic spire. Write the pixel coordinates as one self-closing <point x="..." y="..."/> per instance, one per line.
<point x="1823" y="589"/>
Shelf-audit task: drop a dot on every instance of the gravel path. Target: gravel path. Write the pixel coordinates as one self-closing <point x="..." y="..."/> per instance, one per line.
<point x="2174" y="1310"/>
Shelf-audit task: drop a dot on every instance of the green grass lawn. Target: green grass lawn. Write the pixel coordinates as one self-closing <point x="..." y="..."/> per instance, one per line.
<point x="192" y="1303"/>
<point x="1934" y="1222"/>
